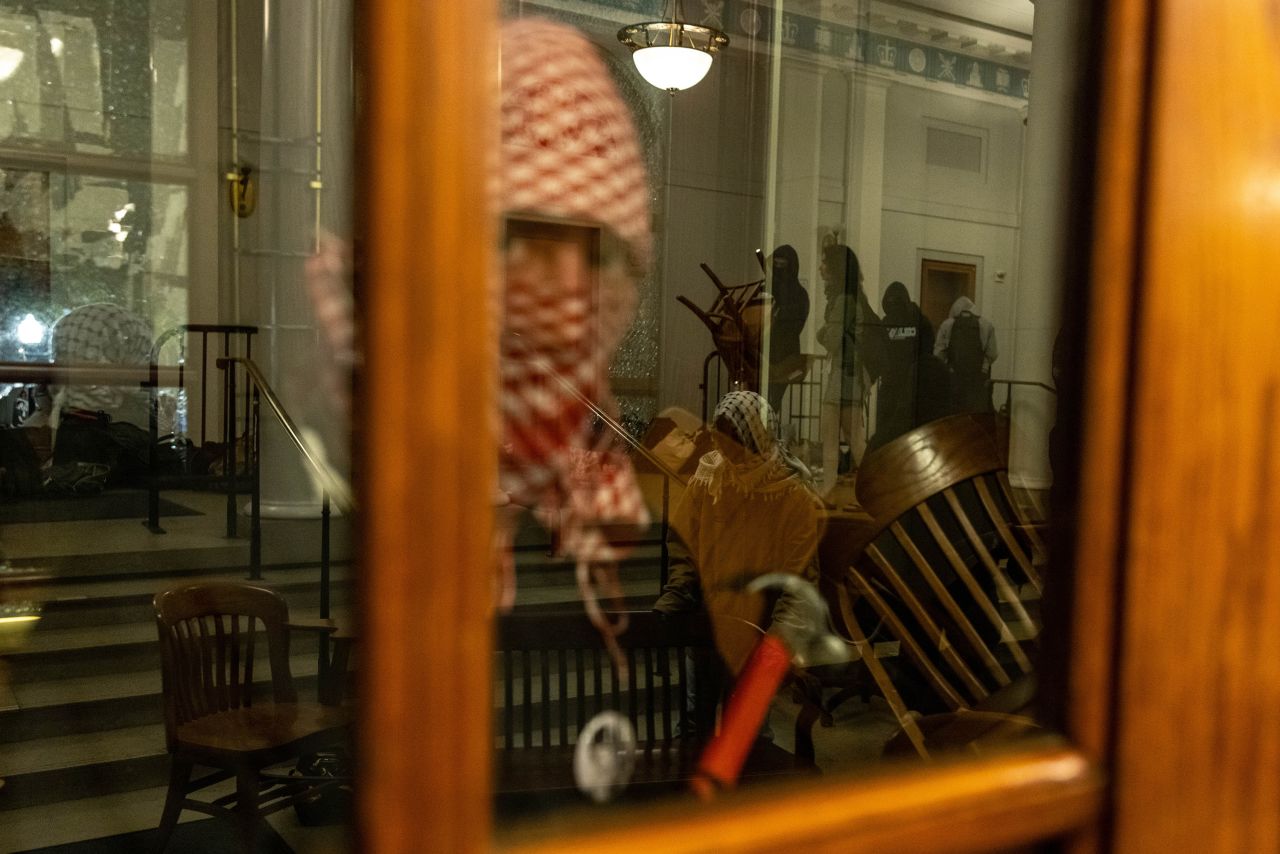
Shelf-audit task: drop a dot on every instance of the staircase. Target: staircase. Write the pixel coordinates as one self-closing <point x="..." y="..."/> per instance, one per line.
<point x="81" y="720"/>
<point x="80" y="704"/>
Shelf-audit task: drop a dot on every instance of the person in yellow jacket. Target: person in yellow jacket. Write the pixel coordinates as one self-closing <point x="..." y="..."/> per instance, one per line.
<point x="750" y="509"/>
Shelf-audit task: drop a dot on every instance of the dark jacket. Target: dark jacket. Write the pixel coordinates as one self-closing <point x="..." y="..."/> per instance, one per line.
<point x="790" y="311"/>
<point x="913" y="383"/>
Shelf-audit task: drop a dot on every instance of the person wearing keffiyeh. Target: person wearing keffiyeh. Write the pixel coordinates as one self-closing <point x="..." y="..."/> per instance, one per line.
<point x="750" y="509"/>
<point x="573" y="191"/>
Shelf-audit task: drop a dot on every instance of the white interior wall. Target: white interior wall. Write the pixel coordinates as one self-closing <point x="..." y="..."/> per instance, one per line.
<point x="715" y="195"/>
<point x="714" y="210"/>
<point x="907" y="237"/>
<point x="933" y="211"/>
<point x="837" y="170"/>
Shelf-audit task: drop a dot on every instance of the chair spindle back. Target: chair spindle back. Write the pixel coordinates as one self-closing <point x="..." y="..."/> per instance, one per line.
<point x="951" y="572"/>
<point x="211" y="637"/>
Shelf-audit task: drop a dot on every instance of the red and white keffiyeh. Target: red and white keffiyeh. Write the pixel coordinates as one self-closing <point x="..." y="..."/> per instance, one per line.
<point x="569" y="147"/>
<point x="569" y="151"/>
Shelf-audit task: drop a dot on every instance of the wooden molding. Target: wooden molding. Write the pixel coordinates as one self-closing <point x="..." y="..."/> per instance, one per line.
<point x="426" y="444"/>
<point x="967" y="805"/>
<point x="1197" y="752"/>
<point x="426" y="465"/>
<point x="1108" y="350"/>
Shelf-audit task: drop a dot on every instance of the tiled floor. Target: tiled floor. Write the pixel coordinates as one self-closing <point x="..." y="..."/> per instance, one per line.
<point x="91" y="818"/>
<point x="21" y="542"/>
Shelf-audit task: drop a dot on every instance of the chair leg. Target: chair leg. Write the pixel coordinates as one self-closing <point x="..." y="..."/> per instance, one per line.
<point x="179" y="774"/>
<point x="806" y="757"/>
<point x="247" y="809"/>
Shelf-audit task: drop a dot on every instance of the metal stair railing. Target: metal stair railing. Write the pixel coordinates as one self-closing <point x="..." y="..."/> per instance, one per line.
<point x="233" y="337"/>
<point x="334" y="488"/>
<point x="799" y="414"/>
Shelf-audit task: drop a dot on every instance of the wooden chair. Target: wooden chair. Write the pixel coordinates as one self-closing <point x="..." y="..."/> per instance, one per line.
<point x="215" y="716"/>
<point x="736" y="320"/>
<point x="952" y="577"/>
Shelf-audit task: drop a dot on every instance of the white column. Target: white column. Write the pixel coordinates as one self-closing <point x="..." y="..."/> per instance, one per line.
<point x="277" y="241"/>
<point x="864" y="205"/>
<point x="798" y="158"/>
<point x="1041" y="241"/>
<point x="865" y="202"/>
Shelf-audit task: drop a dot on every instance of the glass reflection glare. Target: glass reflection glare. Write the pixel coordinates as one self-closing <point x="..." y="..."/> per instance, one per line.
<point x="840" y="240"/>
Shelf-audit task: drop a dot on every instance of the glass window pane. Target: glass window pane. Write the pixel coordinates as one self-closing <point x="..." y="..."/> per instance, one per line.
<point x="833" y="400"/>
<point x="77" y="77"/>
<point x="176" y="348"/>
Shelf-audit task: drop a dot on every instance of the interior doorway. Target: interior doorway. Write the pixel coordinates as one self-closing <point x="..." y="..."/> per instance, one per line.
<point x="941" y="284"/>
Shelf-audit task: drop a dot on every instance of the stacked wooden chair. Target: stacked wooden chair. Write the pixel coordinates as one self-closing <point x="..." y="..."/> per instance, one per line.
<point x="736" y="322"/>
<point x="950" y="581"/>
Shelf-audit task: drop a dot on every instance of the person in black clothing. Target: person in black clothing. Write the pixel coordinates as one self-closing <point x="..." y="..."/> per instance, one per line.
<point x="913" y="383"/>
<point x="966" y="344"/>
<point x="790" y="312"/>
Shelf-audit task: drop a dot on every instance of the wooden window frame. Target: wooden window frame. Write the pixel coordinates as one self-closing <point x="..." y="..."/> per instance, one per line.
<point x="426" y="462"/>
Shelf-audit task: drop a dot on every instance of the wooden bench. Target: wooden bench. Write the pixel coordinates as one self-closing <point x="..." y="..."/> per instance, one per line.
<point x="554" y="674"/>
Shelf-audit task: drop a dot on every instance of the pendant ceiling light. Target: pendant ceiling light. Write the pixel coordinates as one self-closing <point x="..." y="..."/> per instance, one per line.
<point x="671" y="54"/>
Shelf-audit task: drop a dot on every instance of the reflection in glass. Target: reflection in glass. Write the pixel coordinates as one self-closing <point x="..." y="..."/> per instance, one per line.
<point x="856" y="221"/>
<point x="79" y="78"/>
<point x="175" y="395"/>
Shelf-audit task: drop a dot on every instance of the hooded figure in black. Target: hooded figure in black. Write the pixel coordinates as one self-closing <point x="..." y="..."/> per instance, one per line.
<point x="790" y="311"/>
<point x="913" y="383"/>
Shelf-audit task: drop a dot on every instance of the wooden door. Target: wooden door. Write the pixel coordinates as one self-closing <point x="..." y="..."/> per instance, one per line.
<point x="1168" y="671"/>
<point x="941" y="284"/>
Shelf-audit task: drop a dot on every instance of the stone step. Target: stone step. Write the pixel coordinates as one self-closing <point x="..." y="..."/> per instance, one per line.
<point x="115" y="601"/>
<point x="85" y="816"/>
<point x="105" y="701"/>
<point x="68" y="752"/>
<point x="102" y="602"/>
<point x="49" y="770"/>
<point x="64" y="552"/>
<point x="46" y="579"/>
<point x="80" y="704"/>
<point x="61" y="765"/>
<point x="53" y="654"/>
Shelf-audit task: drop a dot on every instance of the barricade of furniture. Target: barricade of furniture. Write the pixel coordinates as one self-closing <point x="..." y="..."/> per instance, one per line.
<point x="554" y="675"/>
<point x="949" y="577"/>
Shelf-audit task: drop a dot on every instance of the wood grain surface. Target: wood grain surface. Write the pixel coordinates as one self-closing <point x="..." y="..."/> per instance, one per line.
<point x="1089" y="658"/>
<point x="426" y="448"/>
<point x="924" y="461"/>
<point x="1176" y="692"/>
<point x="977" y="805"/>
<point x="1197" y="760"/>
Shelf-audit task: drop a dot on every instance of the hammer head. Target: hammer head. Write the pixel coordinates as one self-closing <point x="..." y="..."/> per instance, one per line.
<point x="807" y="629"/>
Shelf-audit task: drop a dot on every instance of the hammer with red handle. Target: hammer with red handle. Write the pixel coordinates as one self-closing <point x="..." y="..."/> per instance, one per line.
<point x="807" y="640"/>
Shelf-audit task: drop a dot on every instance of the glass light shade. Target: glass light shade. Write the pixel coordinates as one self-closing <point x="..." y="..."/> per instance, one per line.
<point x="672" y="67"/>
<point x="30" y="330"/>
<point x="10" y="59"/>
